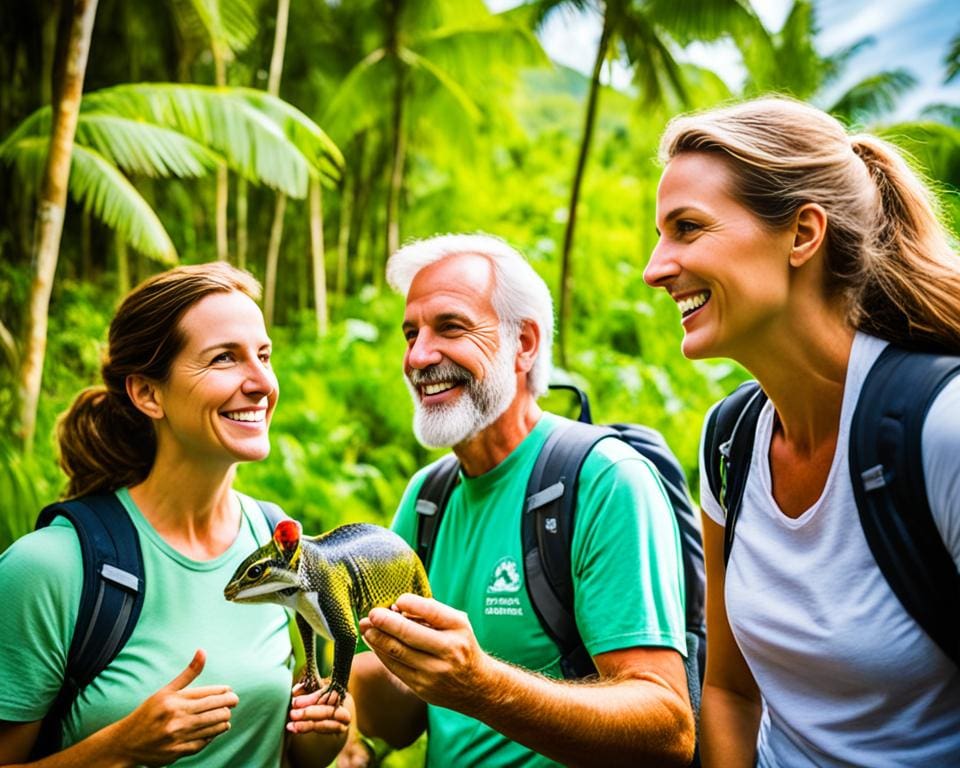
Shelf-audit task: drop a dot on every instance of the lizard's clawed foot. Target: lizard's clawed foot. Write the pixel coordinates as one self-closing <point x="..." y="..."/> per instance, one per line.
<point x="333" y="695"/>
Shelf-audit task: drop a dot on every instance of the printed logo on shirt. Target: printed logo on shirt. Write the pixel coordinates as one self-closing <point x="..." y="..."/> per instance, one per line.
<point x="504" y="583"/>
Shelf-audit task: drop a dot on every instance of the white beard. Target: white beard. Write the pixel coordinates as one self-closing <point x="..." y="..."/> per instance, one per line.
<point x="480" y="403"/>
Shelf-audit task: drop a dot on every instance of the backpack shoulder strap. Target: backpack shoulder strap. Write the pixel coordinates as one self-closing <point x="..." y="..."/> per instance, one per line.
<point x="432" y="503"/>
<point x="728" y="449"/>
<point x="886" y="469"/>
<point x="272" y="512"/>
<point x="111" y="596"/>
<point x="547" y="532"/>
<point x="652" y="445"/>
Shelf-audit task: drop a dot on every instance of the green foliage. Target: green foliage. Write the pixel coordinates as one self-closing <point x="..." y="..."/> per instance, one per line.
<point x="164" y="130"/>
<point x="491" y="147"/>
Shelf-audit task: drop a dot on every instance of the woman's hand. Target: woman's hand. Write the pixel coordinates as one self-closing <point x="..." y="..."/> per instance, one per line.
<point x="320" y="725"/>
<point x="316" y="713"/>
<point x="177" y="721"/>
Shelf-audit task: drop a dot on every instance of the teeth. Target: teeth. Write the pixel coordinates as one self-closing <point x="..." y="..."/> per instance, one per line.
<point x="432" y="389"/>
<point x="690" y="303"/>
<point x="245" y="415"/>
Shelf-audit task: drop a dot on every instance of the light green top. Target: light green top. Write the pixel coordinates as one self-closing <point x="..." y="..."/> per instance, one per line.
<point x="628" y="578"/>
<point x="247" y="646"/>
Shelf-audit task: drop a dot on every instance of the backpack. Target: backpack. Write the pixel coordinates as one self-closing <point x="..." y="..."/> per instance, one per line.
<point x="547" y="532"/>
<point x="110" y="599"/>
<point x="886" y="469"/>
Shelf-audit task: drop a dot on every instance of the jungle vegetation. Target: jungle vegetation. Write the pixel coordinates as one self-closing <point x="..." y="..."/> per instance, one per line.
<point x="304" y="140"/>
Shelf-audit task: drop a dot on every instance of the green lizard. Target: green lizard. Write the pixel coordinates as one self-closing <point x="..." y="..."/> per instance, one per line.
<point x="331" y="581"/>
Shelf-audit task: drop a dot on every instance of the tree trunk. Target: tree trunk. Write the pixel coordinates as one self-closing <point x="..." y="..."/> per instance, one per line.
<point x="242" y="197"/>
<point x="48" y="36"/>
<point x="399" y="140"/>
<point x="68" y="91"/>
<point x="9" y="346"/>
<point x="279" y="47"/>
<point x="223" y="189"/>
<point x="86" y="246"/>
<point x="123" y="266"/>
<point x="566" y="276"/>
<point x="273" y="257"/>
<point x="343" y="237"/>
<point x="276" y="229"/>
<point x="318" y="256"/>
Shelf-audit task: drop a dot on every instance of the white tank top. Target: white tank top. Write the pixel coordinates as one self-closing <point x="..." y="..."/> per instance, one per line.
<point x="846" y="676"/>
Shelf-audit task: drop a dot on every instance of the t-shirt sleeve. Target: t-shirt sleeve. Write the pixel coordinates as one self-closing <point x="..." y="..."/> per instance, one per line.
<point x="626" y="560"/>
<point x="40" y="580"/>
<point x="708" y="502"/>
<point x="941" y="464"/>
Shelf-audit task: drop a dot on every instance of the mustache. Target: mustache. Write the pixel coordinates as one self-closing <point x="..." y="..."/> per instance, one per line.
<point x="440" y="372"/>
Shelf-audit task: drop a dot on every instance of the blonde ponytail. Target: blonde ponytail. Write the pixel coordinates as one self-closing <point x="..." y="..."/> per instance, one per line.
<point x="911" y="290"/>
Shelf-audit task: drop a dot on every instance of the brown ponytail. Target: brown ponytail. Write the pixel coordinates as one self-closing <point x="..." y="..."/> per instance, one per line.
<point x="105" y="442"/>
<point x="888" y="257"/>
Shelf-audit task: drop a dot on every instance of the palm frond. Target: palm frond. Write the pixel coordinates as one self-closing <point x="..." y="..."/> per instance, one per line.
<point x="223" y="119"/>
<point x="230" y="23"/>
<point x="106" y="193"/>
<point x="948" y="114"/>
<point x="143" y="148"/>
<point x="534" y="13"/>
<point x="952" y="59"/>
<point x="873" y="96"/>
<point x="27" y="156"/>
<point x="308" y="137"/>
<point x="447" y="83"/>
<point x="655" y="70"/>
<point x="934" y="146"/>
<point x="467" y="53"/>
<point x="358" y="102"/>
<point x="702" y="20"/>
<point x="35" y="124"/>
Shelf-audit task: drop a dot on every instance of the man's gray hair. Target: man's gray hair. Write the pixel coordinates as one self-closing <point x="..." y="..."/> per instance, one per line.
<point x="519" y="293"/>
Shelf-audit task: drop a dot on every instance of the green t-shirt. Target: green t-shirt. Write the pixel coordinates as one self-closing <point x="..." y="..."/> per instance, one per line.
<point x="625" y="560"/>
<point x="247" y="646"/>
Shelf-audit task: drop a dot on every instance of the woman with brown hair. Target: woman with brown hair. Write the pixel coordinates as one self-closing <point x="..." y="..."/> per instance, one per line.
<point x="188" y="394"/>
<point x="801" y="252"/>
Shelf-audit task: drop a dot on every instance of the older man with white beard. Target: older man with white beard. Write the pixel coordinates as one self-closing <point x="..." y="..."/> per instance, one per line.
<point x="473" y="665"/>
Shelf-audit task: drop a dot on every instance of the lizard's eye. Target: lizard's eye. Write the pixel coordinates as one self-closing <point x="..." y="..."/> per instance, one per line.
<point x="255" y="571"/>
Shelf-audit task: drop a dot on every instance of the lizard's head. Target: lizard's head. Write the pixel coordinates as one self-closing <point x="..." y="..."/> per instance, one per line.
<point x="269" y="570"/>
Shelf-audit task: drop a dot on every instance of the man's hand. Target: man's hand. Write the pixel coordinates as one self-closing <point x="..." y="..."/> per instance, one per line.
<point x="177" y="721"/>
<point x="431" y="647"/>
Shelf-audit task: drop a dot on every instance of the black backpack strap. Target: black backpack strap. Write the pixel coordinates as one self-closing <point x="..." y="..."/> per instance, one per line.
<point x="728" y="449"/>
<point x="547" y="532"/>
<point x="432" y="503"/>
<point x="110" y="601"/>
<point x="886" y="469"/>
<point x="272" y="512"/>
<point x="651" y="444"/>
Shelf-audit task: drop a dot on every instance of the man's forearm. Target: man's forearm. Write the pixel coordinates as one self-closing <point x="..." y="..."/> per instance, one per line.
<point x="385" y="707"/>
<point x="627" y="721"/>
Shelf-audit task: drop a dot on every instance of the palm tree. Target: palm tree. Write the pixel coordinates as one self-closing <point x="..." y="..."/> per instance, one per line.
<point x="158" y="130"/>
<point x="434" y="60"/>
<point x="788" y="61"/>
<point x="644" y="34"/>
<point x="280" y="204"/>
<point x="77" y="24"/>
<point x="229" y="25"/>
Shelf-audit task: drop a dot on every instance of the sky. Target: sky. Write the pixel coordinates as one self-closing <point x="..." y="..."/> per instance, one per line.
<point x="913" y="34"/>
